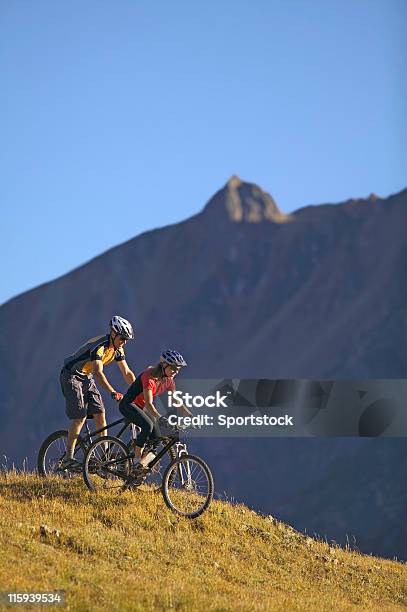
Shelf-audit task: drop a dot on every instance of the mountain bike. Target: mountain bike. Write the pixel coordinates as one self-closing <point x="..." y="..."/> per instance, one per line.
<point x="53" y="450"/>
<point x="186" y="484"/>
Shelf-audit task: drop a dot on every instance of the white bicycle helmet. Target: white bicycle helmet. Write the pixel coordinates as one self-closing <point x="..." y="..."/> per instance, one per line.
<point x="122" y="327"/>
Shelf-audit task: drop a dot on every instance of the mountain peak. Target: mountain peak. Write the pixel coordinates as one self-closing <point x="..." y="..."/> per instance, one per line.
<point x="234" y="182"/>
<point x="245" y="202"/>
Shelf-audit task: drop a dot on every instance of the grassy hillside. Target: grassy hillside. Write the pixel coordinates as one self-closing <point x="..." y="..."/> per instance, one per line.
<point x="129" y="552"/>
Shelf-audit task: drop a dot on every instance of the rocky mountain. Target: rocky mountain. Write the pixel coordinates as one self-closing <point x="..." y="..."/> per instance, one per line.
<point x="244" y="291"/>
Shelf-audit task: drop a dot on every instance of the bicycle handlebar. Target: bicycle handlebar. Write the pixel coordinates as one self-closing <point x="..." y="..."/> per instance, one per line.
<point x="174" y="428"/>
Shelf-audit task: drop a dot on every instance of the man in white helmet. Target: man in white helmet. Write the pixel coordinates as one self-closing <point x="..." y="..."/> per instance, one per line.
<point x="80" y="373"/>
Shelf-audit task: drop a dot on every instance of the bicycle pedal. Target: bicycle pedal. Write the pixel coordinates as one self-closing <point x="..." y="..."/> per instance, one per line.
<point x="133" y="483"/>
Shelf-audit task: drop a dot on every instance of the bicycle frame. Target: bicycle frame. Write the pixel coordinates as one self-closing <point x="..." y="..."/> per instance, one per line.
<point x="163" y="451"/>
<point x="126" y="424"/>
<point x="181" y="448"/>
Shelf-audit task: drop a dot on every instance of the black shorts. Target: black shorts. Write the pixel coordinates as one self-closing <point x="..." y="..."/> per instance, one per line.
<point x="81" y="395"/>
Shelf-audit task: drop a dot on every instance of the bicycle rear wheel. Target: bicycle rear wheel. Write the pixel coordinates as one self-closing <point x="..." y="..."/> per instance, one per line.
<point x="188" y="486"/>
<point x="52" y="452"/>
<point x="107" y="464"/>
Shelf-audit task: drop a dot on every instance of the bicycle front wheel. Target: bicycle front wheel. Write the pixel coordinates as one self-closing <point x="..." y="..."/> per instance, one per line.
<point x="107" y="464"/>
<point x="188" y="486"/>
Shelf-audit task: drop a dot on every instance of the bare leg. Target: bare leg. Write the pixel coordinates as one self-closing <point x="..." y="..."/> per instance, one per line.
<point x="73" y="433"/>
<point x="100" y="421"/>
<point x="138" y="451"/>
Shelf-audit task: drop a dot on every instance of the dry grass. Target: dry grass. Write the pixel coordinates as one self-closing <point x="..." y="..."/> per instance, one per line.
<point x="129" y="552"/>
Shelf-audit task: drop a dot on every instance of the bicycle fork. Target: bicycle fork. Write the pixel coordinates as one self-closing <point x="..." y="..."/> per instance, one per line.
<point x="184" y="471"/>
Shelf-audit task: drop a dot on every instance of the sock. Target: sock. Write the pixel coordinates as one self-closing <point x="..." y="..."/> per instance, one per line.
<point x="69" y="453"/>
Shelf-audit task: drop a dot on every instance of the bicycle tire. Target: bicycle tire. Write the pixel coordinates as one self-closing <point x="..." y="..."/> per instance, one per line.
<point x="61" y="434"/>
<point x="169" y="482"/>
<point x="105" y="474"/>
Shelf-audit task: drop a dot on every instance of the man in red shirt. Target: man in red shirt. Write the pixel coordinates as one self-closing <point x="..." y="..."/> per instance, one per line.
<point x="137" y="404"/>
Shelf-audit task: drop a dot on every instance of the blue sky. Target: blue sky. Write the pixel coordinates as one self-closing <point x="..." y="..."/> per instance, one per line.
<point x="117" y="117"/>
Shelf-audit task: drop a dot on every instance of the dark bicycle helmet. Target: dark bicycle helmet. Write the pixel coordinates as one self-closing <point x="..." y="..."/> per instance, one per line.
<point x="173" y="358"/>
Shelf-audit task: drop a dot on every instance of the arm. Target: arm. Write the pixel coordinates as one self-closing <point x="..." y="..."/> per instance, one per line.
<point x="148" y="398"/>
<point x="128" y="375"/>
<point x="97" y="371"/>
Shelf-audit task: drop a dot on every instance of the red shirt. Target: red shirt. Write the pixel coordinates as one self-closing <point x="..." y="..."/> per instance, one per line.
<point x="157" y="386"/>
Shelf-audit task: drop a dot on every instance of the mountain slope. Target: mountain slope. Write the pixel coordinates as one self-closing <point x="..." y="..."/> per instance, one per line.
<point x="129" y="552"/>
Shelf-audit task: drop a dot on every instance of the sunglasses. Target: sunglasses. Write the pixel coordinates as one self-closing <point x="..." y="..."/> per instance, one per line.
<point x="124" y="338"/>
